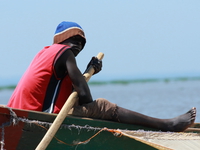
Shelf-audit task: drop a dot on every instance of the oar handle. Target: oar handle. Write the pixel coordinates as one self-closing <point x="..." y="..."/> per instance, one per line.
<point x="64" y="111"/>
<point x="90" y="71"/>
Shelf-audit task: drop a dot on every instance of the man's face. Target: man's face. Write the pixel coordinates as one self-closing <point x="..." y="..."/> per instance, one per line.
<point x="75" y="43"/>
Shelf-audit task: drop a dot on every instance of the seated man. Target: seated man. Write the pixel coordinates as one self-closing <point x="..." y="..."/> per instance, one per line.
<point x="53" y="75"/>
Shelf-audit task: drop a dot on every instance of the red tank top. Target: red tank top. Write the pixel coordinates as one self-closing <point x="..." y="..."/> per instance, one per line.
<point x="39" y="88"/>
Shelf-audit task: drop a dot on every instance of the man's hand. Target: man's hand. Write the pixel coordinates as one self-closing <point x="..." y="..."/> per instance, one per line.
<point x="96" y="63"/>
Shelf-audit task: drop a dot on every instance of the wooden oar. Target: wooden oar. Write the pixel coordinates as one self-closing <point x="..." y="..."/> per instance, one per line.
<point x="64" y="111"/>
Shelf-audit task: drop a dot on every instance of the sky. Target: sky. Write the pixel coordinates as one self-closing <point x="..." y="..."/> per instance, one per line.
<point x="140" y="38"/>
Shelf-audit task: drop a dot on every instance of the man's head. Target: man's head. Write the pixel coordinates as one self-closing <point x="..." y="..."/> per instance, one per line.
<point x="69" y="31"/>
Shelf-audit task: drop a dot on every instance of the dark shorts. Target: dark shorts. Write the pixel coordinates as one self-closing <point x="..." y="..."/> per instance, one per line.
<point x="98" y="109"/>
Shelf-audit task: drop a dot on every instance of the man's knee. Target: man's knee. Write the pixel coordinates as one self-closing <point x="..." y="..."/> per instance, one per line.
<point x="100" y="109"/>
<point x="106" y="108"/>
<point x="102" y="101"/>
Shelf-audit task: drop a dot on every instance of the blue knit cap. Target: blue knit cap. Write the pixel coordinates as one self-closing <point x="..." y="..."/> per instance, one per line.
<point x="66" y="30"/>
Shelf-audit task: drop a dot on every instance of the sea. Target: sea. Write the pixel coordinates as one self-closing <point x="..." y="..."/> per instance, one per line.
<point x="159" y="99"/>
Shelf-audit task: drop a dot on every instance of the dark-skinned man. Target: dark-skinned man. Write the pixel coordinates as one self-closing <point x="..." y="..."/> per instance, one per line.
<point x="53" y="75"/>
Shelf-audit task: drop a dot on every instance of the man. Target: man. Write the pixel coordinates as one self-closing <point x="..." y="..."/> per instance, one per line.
<point x="53" y="75"/>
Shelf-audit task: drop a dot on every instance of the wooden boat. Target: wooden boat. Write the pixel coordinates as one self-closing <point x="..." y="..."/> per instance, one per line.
<point x="23" y="130"/>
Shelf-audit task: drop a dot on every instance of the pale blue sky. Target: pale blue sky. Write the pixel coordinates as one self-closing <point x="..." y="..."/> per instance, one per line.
<point x="139" y="38"/>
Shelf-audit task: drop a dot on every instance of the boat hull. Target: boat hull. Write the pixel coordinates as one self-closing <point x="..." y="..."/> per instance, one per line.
<point x="26" y="134"/>
<point x="31" y="126"/>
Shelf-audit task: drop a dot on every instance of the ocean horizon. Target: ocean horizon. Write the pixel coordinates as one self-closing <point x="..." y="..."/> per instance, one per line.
<point x="12" y="83"/>
<point x="125" y="78"/>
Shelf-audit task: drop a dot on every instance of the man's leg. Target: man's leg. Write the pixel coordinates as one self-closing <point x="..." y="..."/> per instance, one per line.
<point x="176" y="124"/>
<point x="103" y="109"/>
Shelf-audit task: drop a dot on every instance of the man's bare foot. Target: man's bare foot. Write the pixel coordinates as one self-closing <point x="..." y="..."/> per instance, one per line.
<point x="181" y="122"/>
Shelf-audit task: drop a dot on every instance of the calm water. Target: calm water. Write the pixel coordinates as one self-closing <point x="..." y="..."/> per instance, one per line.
<point x="156" y="99"/>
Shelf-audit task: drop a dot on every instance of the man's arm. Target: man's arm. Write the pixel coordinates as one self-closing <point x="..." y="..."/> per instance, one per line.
<point x="67" y="59"/>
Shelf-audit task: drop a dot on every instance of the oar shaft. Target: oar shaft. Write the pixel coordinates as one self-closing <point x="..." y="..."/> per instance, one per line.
<point x="63" y="112"/>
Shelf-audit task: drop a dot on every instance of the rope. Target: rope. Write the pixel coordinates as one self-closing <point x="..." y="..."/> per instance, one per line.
<point x="78" y="143"/>
<point x="2" y="138"/>
<point x="14" y="117"/>
<point x="14" y="120"/>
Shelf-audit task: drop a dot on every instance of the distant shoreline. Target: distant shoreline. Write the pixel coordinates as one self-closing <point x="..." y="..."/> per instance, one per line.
<point x="129" y="81"/>
<point x="8" y="87"/>
<point x="124" y="81"/>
